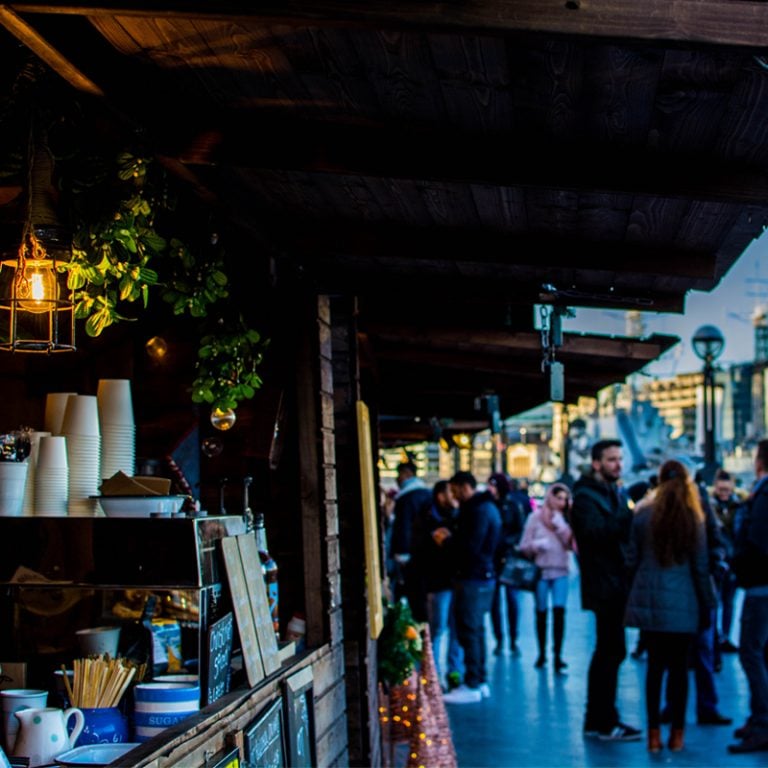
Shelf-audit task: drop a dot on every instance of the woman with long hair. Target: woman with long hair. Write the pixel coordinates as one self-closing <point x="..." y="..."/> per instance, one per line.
<point x="672" y="594"/>
<point x="548" y="539"/>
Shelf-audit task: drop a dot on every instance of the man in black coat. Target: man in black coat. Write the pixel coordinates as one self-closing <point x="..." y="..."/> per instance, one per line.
<point x="601" y="522"/>
<point x="475" y="542"/>
<point x="412" y="499"/>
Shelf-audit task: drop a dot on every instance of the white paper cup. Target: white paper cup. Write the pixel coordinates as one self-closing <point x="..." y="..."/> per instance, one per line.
<point x="55" y="405"/>
<point x="81" y="416"/>
<point x="52" y="453"/>
<point x="13" y="479"/>
<point x="13" y="700"/>
<point x="96" y="641"/>
<point x="29" y="488"/>
<point x="115" y="402"/>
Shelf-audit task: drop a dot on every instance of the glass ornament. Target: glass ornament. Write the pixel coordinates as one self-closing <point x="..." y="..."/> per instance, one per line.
<point x="212" y="446"/>
<point x="223" y="420"/>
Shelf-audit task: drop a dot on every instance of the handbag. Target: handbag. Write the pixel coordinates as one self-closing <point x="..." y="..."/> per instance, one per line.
<point x="520" y="573"/>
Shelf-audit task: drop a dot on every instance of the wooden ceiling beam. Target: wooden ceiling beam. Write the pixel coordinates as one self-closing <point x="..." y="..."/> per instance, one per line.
<point x="459" y="381"/>
<point x="464" y="291"/>
<point x="541" y="252"/>
<point x="509" y="160"/>
<point x="32" y="39"/>
<point x="401" y="340"/>
<point x="720" y="22"/>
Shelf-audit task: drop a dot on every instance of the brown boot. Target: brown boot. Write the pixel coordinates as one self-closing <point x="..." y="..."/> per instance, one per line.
<point x="676" y="739"/>
<point x="654" y="740"/>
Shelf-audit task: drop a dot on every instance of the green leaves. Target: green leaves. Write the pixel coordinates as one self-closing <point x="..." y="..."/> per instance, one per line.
<point x="110" y="269"/>
<point x="226" y="366"/>
<point x="399" y="647"/>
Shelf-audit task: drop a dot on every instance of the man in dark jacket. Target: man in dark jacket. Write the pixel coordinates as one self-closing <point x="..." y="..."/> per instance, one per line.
<point x="413" y="497"/>
<point x="476" y="540"/>
<point x="724" y="503"/>
<point x="750" y="562"/>
<point x="601" y="522"/>
<point x="434" y="556"/>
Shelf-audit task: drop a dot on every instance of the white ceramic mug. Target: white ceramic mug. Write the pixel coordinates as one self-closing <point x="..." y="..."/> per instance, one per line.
<point x="14" y="700"/>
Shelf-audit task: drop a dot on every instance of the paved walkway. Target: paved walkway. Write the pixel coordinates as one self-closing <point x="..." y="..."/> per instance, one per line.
<point x="534" y="718"/>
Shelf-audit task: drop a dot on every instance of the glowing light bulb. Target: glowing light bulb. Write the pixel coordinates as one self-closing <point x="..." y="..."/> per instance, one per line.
<point x="157" y="348"/>
<point x="36" y="288"/>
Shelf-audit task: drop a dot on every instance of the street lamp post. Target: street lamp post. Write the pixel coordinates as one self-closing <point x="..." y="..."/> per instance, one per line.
<point x="708" y="343"/>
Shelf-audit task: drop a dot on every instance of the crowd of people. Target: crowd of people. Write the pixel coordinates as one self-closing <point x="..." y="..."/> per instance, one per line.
<point x="664" y="556"/>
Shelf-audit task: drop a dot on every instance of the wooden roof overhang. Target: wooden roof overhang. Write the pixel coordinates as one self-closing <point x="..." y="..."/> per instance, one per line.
<point x="451" y="164"/>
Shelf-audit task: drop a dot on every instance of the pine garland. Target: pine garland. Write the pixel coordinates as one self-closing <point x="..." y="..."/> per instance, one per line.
<point x="399" y="645"/>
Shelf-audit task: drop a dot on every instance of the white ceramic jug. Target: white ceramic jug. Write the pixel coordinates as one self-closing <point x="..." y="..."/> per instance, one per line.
<point x="43" y="733"/>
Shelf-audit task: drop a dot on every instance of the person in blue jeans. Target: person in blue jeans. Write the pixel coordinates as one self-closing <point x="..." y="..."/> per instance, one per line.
<point x="435" y="558"/>
<point x="474" y="543"/>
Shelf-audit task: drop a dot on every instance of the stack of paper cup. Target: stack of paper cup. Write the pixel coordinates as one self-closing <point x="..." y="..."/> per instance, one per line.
<point x="55" y="405"/>
<point x="81" y="428"/>
<point x="52" y="477"/>
<point x="118" y="429"/>
<point x="29" y="489"/>
<point x="13" y="476"/>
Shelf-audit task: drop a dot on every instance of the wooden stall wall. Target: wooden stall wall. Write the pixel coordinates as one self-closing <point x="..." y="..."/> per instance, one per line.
<point x="320" y="526"/>
<point x="360" y="649"/>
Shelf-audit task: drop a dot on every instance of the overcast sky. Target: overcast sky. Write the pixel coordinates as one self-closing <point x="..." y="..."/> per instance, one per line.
<point x="729" y="307"/>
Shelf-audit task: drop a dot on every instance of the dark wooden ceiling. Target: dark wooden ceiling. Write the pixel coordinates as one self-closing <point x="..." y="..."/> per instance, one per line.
<point x="444" y="162"/>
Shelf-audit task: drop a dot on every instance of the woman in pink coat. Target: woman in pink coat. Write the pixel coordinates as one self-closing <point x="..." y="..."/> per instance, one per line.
<point x="548" y="540"/>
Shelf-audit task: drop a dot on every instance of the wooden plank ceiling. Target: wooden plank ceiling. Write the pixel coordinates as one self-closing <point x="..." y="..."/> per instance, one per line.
<point x="444" y="162"/>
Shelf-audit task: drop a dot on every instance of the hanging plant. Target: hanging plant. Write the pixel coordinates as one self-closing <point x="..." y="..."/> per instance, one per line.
<point x="110" y="256"/>
<point x="226" y="365"/>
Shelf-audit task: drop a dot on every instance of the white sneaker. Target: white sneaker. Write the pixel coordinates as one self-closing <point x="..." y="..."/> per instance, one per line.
<point x="463" y="695"/>
<point x="485" y="690"/>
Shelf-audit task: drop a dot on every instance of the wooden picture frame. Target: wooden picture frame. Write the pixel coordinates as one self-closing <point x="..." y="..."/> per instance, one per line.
<point x="370" y="521"/>
<point x="300" y="719"/>
<point x="264" y="738"/>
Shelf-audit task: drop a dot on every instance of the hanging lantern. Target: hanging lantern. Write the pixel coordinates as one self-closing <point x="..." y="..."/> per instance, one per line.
<point x="36" y="306"/>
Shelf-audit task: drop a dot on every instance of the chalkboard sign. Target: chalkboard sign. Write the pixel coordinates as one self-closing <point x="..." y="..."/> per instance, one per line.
<point x="300" y="717"/>
<point x="264" y="739"/>
<point x="219" y="652"/>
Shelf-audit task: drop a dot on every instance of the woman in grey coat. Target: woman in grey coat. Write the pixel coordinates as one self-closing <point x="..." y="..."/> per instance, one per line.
<point x="672" y="592"/>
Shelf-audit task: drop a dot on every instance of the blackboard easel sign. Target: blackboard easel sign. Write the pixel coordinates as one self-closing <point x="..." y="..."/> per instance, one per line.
<point x="300" y="719"/>
<point x="218" y="656"/>
<point x="264" y="738"/>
